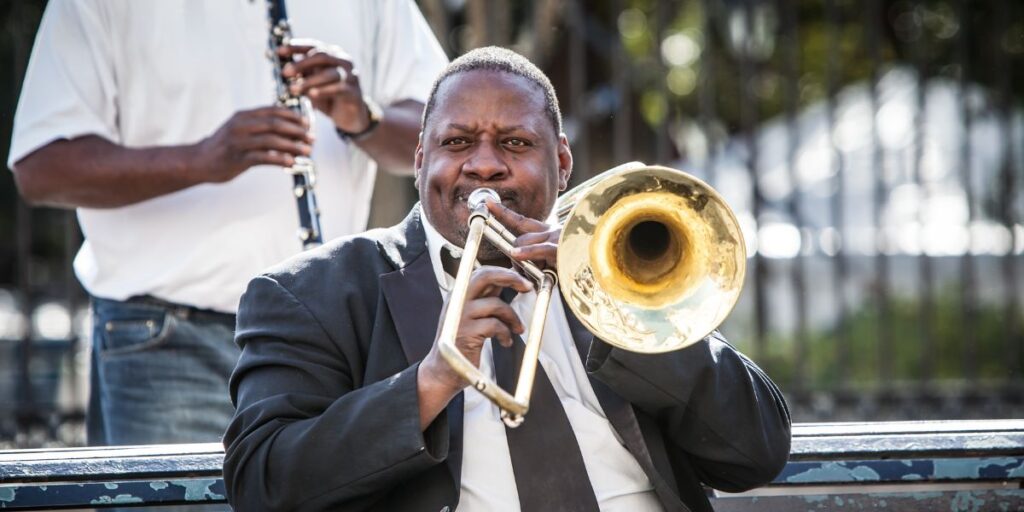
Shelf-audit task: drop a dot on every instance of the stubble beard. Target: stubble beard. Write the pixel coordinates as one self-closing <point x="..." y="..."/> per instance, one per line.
<point x="487" y="252"/>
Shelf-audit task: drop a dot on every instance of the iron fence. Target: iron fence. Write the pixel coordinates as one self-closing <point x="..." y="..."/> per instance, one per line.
<point x="873" y="151"/>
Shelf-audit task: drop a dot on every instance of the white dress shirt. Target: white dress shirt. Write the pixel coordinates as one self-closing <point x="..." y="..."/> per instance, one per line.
<point x="488" y="482"/>
<point x="170" y="72"/>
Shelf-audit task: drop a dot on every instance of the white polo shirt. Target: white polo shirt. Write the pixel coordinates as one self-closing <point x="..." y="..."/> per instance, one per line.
<point x="170" y="72"/>
<point x="488" y="482"/>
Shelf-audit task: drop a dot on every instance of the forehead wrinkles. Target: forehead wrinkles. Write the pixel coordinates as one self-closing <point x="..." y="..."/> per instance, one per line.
<point x="510" y="100"/>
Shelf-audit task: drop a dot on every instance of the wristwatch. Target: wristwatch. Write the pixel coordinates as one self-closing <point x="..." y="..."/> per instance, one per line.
<point x="374" y="112"/>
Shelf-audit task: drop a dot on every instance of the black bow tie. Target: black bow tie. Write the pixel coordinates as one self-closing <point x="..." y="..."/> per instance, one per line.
<point x="449" y="262"/>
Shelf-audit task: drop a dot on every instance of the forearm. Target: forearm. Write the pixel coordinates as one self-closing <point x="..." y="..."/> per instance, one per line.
<point x="393" y="143"/>
<point x="92" y="172"/>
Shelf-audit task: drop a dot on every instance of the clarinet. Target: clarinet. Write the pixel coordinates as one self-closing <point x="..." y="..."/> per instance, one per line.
<point x="302" y="170"/>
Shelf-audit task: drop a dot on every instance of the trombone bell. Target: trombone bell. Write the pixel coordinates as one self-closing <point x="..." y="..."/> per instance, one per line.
<point x="651" y="259"/>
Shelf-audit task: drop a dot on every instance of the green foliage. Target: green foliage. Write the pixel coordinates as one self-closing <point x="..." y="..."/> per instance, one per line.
<point x="911" y="340"/>
<point x="826" y="48"/>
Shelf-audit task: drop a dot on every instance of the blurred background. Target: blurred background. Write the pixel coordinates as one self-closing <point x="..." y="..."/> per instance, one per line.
<point x="872" y="149"/>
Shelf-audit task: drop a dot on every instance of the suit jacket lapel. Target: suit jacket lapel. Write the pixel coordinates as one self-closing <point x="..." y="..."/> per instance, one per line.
<point x="620" y="414"/>
<point x="415" y="303"/>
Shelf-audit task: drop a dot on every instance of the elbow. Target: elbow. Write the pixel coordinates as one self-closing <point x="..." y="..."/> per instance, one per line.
<point x="760" y="467"/>
<point x="30" y="187"/>
<point x="743" y="478"/>
<point x="771" y="461"/>
<point x="774" y="453"/>
<point x="775" y="461"/>
<point x="246" y="471"/>
<point x="38" y="181"/>
<point x="242" y="485"/>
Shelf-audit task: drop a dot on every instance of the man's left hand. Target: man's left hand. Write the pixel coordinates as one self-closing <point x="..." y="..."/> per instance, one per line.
<point x="536" y="241"/>
<point x="328" y="77"/>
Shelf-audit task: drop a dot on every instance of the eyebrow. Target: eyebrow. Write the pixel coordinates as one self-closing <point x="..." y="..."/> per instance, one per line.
<point x="510" y="129"/>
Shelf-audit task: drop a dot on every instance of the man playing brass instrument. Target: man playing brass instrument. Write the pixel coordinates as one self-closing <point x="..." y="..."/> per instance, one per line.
<point x="344" y="403"/>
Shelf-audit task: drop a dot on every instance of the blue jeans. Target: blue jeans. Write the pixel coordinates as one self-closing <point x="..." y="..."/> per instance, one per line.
<point x="160" y="373"/>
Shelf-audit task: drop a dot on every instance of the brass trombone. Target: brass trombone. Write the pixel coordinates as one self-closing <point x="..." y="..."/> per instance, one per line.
<point x="650" y="259"/>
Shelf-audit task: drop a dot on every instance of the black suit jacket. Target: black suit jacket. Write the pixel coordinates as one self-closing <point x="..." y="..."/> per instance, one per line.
<point x="327" y="415"/>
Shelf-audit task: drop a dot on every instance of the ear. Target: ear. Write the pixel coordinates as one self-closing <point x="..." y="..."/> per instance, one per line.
<point x="564" y="162"/>
<point x="418" y="160"/>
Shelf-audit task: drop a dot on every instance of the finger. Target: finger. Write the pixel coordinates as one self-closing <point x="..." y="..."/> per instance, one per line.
<point x="262" y="114"/>
<point x="317" y="61"/>
<point x="258" y="157"/>
<point x="473" y="332"/>
<point x="497" y="330"/>
<point x="325" y="84"/>
<point x="322" y="77"/>
<point x="546" y="252"/>
<point x="545" y="239"/>
<point x="297" y="46"/>
<point x="280" y="125"/>
<point x="504" y="338"/>
<point x="514" y="221"/>
<point x="337" y="90"/>
<point x="276" y="143"/>
<point x="256" y="116"/>
<point x="493" y="307"/>
<point x="269" y="110"/>
<point x="488" y="281"/>
<point x="308" y="44"/>
<point x="536" y="237"/>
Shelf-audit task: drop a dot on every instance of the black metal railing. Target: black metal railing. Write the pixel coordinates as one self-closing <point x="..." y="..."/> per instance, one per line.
<point x="873" y="151"/>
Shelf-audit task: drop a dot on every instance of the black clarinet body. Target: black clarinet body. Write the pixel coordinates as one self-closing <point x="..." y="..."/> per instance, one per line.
<point x="302" y="170"/>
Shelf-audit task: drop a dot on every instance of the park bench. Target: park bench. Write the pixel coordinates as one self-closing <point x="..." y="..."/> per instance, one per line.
<point x="951" y="465"/>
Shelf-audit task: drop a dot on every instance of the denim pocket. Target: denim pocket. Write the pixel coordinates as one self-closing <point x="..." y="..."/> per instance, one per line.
<point x="140" y="332"/>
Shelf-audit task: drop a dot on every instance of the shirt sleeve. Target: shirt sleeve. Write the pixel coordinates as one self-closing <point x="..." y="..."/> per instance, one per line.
<point x="408" y="55"/>
<point x="69" y="87"/>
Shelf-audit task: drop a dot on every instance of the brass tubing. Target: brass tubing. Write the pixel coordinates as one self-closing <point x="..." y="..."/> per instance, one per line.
<point x="512" y="410"/>
<point x="501" y="242"/>
<point x="531" y="354"/>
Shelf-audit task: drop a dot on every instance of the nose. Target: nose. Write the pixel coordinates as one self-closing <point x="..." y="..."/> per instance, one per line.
<point x="485" y="163"/>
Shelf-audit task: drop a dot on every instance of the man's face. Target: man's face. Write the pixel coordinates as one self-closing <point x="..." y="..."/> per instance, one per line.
<point x="489" y="129"/>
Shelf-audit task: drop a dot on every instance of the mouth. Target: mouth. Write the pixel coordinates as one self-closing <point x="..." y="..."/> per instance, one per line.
<point x="508" y="197"/>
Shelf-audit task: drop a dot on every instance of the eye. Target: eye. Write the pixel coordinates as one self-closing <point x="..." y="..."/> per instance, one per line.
<point x="517" y="142"/>
<point x="454" y="141"/>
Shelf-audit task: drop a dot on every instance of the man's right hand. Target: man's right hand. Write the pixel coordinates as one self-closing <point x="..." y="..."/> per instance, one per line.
<point x="93" y="172"/>
<point x="261" y="136"/>
<point x="484" y="316"/>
